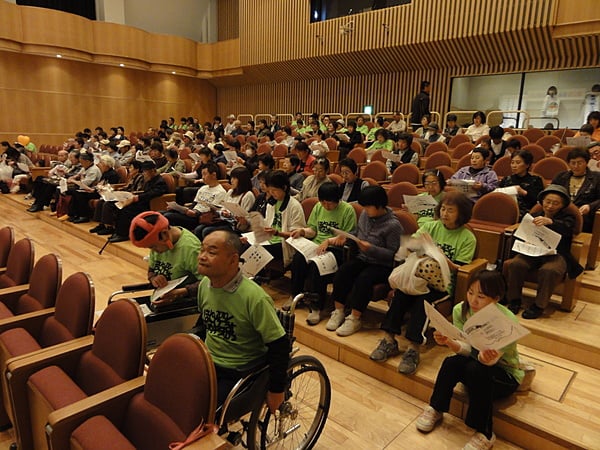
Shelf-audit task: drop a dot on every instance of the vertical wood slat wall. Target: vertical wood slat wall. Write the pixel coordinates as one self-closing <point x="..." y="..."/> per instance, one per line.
<point x="311" y="67"/>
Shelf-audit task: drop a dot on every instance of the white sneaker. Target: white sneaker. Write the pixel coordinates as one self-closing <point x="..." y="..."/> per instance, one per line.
<point x="428" y="419"/>
<point x="350" y="326"/>
<point x="337" y="318"/>
<point x="314" y="317"/>
<point x="480" y="442"/>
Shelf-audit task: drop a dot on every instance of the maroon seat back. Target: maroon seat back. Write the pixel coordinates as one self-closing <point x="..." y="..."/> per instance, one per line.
<point x="7" y="240"/>
<point x="496" y="207"/>
<point x="437" y="159"/>
<point x="46" y="279"/>
<point x="19" y="264"/>
<point x="375" y="170"/>
<point x="396" y="193"/>
<point x="406" y="172"/>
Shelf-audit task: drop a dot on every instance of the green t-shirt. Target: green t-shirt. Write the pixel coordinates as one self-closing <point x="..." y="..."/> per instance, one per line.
<point x="181" y="260"/>
<point x="363" y="129"/>
<point x="342" y="217"/>
<point x="371" y="134"/>
<point x="239" y="321"/>
<point x="509" y="361"/>
<point x="277" y="222"/>
<point x="388" y="145"/>
<point x="427" y="214"/>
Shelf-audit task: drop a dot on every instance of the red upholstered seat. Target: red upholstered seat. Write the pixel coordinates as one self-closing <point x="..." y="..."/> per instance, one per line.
<point x="19" y="264"/>
<point x="17" y="342"/>
<point x="98" y="433"/>
<point x="57" y="388"/>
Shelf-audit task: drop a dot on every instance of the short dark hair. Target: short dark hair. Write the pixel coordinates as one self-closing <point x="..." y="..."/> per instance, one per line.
<point x="329" y="192"/>
<point x="514" y="143"/>
<point x="244" y="177"/>
<point x="424" y="84"/>
<point x="302" y="147"/>
<point x="212" y="167"/>
<point x="350" y="164"/>
<point x="267" y="160"/>
<point x="294" y="160"/>
<point x="323" y="162"/>
<point x="278" y="179"/>
<point x="525" y="155"/>
<point x="479" y="114"/>
<point x="352" y="123"/>
<point x="172" y="153"/>
<point x="462" y="203"/>
<point x="485" y="153"/>
<point x="496" y="132"/>
<point x="435" y="173"/>
<point x="593" y="115"/>
<point x="587" y="128"/>
<point x="406" y="137"/>
<point x="451" y="117"/>
<point x="579" y="152"/>
<point x="491" y="283"/>
<point x="373" y="196"/>
<point x="382" y="132"/>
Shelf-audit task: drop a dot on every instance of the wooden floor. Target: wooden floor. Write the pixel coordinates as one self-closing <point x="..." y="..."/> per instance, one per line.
<point x="373" y="407"/>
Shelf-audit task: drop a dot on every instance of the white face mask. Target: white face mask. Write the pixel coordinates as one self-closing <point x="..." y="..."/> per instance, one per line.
<point x="249" y="153"/>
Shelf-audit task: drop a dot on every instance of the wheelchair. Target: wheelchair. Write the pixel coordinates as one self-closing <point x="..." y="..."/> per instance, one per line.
<point x="245" y="419"/>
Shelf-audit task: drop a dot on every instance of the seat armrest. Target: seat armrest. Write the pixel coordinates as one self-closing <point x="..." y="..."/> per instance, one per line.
<point x="21" y="288"/>
<point x="2" y="269"/>
<point x="19" y="370"/>
<point x="32" y="322"/>
<point x="511" y="228"/>
<point x="111" y="403"/>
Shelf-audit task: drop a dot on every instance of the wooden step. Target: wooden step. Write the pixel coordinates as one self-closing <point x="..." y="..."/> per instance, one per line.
<point x="561" y="410"/>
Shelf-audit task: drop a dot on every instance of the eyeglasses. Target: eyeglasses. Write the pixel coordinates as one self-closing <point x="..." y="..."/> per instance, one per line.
<point x="431" y="183"/>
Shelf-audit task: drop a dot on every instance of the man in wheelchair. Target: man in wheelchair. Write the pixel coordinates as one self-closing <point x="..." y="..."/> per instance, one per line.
<point x="173" y="254"/>
<point x="243" y="331"/>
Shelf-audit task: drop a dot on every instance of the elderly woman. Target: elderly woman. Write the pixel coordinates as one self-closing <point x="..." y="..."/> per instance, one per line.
<point x="528" y="186"/>
<point x="582" y="184"/>
<point x="483" y="178"/>
<point x="377" y="238"/>
<point x="311" y="184"/>
<point x="550" y="269"/>
<point x="457" y="242"/>
<point x="80" y="211"/>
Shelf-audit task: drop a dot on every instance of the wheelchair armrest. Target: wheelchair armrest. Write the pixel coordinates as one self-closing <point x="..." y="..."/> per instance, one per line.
<point x="240" y="387"/>
<point x="111" y="403"/>
<point x="137" y="287"/>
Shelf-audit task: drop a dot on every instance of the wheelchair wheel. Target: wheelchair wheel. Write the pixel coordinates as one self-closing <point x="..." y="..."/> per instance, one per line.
<point x="302" y="415"/>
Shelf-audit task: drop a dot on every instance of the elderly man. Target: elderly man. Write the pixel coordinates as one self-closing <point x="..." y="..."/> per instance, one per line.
<point x="242" y="327"/>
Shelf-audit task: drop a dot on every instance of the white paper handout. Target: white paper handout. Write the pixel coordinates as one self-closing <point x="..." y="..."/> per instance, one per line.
<point x="159" y="292"/>
<point x="108" y="195"/>
<point x="62" y="185"/>
<point x="488" y="328"/>
<point x="174" y="206"/>
<point x="465" y="186"/>
<point x="418" y="203"/>
<point x="326" y="263"/>
<point x="230" y="155"/>
<point x="579" y="141"/>
<point x="257" y="225"/>
<point x="391" y="156"/>
<point x="343" y="137"/>
<point x="235" y="209"/>
<point x="255" y="258"/>
<point x="194" y="157"/>
<point x="345" y="234"/>
<point x="538" y="240"/>
<point x="509" y="190"/>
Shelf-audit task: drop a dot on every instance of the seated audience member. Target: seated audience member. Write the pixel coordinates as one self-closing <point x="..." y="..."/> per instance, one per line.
<point x="329" y="213"/>
<point x="497" y="145"/>
<point x="318" y="147"/>
<point x="397" y="125"/>
<point x="46" y="190"/>
<point x="528" y="186"/>
<point x="80" y="208"/>
<point x="487" y="374"/>
<point x="433" y="134"/>
<point x="17" y="168"/>
<point x="275" y="127"/>
<point x="284" y="215"/>
<point x="217" y="151"/>
<point x="261" y="202"/>
<point x="361" y="126"/>
<point x="287" y="138"/>
<point x="290" y="167"/>
<point x="307" y="161"/>
<point x="240" y="194"/>
<point x="352" y="185"/>
<point x="89" y="176"/>
<point x="156" y="153"/>
<point x="512" y="146"/>
<point x="154" y="186"/>
<point x="185" y="194"/>
<point x="457" y="242"/>
<point x="593" y="119"/>
<point x="265" y="163"/>
<point x="594" y="162"/>
<point x="311" y="184"/>
<point x="484" y="178"/>
<point x="378" y="234"/>
<point x="582" y="184"/>
<point x="550" y="269"/>
<point x="105" y="213"/>
<point x="230" y="125"/>
<point x="201" y="213"/>
<point x="173" y="254"/>
<point x="229" y="301"/>
<point x="382" y="142"/>
<point x="370" y="137"/>
<point x="126" y="153"/>
<point x="173" y="164"/>
<point x="250" y="158"/>
<point x="422" y="130"/>
<point x="403" y="148"/>
<point x="354" y="137"/>
<point x="451" y="128"/>
<point x="434" y="184"/>
<point x="478" y="128"/>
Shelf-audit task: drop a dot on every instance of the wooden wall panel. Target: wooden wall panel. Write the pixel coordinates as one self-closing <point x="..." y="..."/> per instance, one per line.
<point x="49" y="99"/>
<point x="228" y="19"/>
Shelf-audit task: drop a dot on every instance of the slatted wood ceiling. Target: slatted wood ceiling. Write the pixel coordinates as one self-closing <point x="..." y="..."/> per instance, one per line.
<point x="290" y="64"/>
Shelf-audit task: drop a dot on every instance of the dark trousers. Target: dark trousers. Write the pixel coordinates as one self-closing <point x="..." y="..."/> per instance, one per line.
<point x="354" y="281"/>
<point x="306" y="277"/>
<point x="177" y="219"/>
<point x="550" y="272"/>
<point x="484" y="385"/>
<point x="80" y="206"/>
<point x="105" y="213"/>
<point x="403" y="303"/>
<point x="43" y="190"/>
<point x="186" y="194"/>
<point x="123" y="217"/>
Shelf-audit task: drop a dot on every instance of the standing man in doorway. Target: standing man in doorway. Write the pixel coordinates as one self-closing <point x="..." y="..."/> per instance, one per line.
<point x="420" y="105"/>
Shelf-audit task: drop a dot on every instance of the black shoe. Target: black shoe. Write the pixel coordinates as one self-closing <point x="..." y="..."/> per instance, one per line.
<point x="533" y="312"/>
<point x="81" y="220"/>
<point x="107" y="231"/>
<point x="35" y="208"/>
<point x="72" y="218"/>
<point x="117" y="238"/>
<point x="98" y="228"/>
<point x="514" y="306"/>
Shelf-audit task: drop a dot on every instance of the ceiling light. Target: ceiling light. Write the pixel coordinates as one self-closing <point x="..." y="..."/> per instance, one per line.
<point x="58" y="55"/>
<point x="121" y="65"/>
